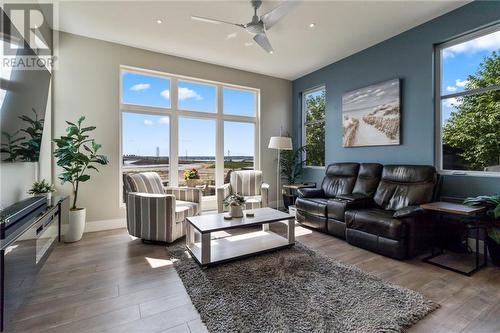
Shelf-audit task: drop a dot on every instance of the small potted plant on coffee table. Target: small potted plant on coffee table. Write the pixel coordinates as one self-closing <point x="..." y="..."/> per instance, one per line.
<point x="492" y="202"/>
<point x="191" y="177"/>
<point x="42" y="188"/>
<point x="235" y="203"/>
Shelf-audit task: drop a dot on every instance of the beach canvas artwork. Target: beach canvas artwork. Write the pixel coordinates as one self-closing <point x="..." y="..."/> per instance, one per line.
<point x="371" y="115"/>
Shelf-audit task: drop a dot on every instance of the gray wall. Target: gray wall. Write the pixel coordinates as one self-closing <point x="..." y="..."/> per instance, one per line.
<point x="408" y="56"/>
<point x="86" y="82"/>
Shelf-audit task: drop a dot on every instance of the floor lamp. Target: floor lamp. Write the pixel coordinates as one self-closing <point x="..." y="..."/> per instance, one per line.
<point x="279" y="143"/>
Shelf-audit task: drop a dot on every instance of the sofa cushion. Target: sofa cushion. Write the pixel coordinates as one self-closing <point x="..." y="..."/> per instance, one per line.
<point x="312" y="206"/>
<point x="377" y="222"/>
<point x="405" y="185"/>
<point x="368" y="178"/>
<point x="339" y="179"/>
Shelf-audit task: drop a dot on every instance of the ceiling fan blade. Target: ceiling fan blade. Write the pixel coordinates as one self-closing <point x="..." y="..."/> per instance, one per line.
<point x="263" y="42"/>
<point x="213" y="21"/>
<point x="277" y="13"/>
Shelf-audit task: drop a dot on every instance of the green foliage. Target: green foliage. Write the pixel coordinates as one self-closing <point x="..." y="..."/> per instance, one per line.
<point x="474" y="128"/>
<point x="315" y="130"/>
<point x="41" y="187"/>
<point x="10" y="146"/>
<point x="492" y="202"/>
<point x="76" y="153"/>
<point x="234" y="199"/>
<point x="291" y="164"/>
<point x="25" y="148"/>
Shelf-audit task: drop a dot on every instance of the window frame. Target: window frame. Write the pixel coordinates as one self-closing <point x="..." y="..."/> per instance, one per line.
<point x="304" y="122"/>
<point x="439" y="97"/>
<point x="174" y="113"/>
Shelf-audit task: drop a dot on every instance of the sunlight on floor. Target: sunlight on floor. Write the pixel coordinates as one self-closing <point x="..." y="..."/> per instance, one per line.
<point x="156" y="263"/>
<point x="299" y="231"/>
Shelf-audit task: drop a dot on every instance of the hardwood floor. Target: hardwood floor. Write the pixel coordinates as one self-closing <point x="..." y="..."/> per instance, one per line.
<point x="110" y="283"/>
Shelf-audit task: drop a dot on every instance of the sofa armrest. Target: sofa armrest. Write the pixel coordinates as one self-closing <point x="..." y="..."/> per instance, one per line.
<point x="353" y="197"/>
<point x="310" y="193"/>
<point x="409" y="211"/>
<point x="222" y="193"/>
<point x="264" y="190"/>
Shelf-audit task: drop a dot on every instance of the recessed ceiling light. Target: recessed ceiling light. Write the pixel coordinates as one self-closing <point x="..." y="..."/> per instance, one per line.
<point x="159" y="21"/>
<point x="271" y="52"/>
<point x="312" y="25"/>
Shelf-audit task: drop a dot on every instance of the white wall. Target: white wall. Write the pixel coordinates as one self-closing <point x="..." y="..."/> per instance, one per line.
<point x="86" y="82"/>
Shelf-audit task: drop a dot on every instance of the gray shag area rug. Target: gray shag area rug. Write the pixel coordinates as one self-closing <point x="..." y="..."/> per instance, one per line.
<point x="296" y="290"/>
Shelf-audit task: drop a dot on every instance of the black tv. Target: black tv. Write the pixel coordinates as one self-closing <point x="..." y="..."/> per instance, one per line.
<point x="23" y="100"/>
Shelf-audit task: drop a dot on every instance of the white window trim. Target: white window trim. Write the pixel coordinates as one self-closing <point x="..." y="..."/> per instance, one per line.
<point x="438" y="98"/>
<point x="303" y="123"/>
<point x="174" y="113"/>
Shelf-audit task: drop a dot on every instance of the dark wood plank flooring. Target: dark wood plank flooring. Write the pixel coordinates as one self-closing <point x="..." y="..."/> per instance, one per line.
<point x="108" y="282"/>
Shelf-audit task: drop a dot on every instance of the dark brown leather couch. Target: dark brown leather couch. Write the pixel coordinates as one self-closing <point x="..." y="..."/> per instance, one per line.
<point x="372" y="206"/>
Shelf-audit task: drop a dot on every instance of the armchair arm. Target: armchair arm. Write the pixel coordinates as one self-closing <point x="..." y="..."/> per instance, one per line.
<point x="409" y="211"/>
<point x="222" y="193"/>
<point x="185" y="193"/>
<point x="310" y="193"/>
<point x="264" y="190"/>
<point x="142" y="207"/>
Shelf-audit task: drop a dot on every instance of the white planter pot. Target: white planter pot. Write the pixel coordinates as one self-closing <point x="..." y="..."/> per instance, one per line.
<point x="236" y="211"/>
<point x="76" y="225"/>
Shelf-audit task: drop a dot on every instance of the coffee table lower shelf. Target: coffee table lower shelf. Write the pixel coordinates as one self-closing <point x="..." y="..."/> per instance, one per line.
<point x="215" y="251"/>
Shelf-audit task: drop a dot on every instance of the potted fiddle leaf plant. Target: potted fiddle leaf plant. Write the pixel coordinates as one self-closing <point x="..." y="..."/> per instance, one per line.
<point x="235" y="203"/>
<point x="77" y="154"/>
<point x="492" y="202"/>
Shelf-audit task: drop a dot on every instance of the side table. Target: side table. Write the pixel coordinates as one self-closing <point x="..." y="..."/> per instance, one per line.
<point x="473" y="218"/>
<point x="290" y="192"/>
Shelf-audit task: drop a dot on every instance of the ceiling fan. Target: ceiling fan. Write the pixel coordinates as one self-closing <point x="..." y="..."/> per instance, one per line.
<point x="259" y="24"/>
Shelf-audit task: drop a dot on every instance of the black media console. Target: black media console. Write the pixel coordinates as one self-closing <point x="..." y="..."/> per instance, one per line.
<point x="26" y="240"/>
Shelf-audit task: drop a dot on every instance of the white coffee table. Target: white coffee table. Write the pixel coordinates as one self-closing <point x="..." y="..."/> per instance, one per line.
<point x="208" y="251"/>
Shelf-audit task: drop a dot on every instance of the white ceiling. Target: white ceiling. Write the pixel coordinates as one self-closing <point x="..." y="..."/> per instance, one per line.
<point x="342" y="28"/>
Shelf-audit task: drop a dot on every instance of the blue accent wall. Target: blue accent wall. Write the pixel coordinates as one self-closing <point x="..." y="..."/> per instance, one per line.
<point x="408" y="56"/>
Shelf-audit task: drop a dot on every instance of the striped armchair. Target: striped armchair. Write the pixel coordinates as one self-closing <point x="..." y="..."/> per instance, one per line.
<point x="249" y="184"/>
<point x="156" y="213"/>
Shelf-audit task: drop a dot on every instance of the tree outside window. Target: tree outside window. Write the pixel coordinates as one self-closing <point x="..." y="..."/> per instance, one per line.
<point x="314" y="126"/>
<point x="470" y="105"/>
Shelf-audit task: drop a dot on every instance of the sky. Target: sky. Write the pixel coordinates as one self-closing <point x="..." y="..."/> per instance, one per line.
<point x="142" y="133"/>
<point x="461" y="60"/>
<point x="365" y="99"/>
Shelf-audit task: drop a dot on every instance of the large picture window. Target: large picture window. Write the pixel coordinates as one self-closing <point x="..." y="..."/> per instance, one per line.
<point x="313" y="130"/>
<point x="203" y="125"/>
<point x="468" y="103"/>
<point x="145" y="143"/>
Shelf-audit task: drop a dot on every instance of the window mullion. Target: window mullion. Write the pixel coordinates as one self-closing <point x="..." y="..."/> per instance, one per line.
<point x="219" y="140"/>
<point x="174" y="136"/>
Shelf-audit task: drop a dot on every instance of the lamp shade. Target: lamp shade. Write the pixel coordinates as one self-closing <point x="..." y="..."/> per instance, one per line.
<point x="280" y="142"/>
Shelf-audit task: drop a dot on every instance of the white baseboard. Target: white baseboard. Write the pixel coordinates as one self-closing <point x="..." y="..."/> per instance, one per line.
<point x="94" y="226"/>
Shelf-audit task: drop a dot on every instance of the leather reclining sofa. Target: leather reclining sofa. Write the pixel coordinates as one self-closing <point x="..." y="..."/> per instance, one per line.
<point x="372" y="206"/>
